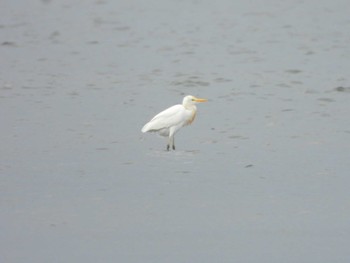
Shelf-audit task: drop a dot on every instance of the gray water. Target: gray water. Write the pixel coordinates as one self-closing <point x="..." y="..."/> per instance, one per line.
<point x="262" y="175"/>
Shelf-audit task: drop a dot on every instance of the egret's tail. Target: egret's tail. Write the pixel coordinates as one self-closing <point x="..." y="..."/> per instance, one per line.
<point x="146" y="127"/>
<point x="149" y="127"/>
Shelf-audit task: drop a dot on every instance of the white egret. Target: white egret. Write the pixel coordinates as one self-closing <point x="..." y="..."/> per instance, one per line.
<point x="169" y="121"/>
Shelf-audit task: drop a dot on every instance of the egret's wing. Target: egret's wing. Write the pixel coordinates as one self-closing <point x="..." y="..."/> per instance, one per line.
<point x="165" y="119"/>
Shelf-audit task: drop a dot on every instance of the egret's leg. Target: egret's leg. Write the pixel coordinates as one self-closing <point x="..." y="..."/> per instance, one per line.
<point x="170" y="143"/>
<point x="173" y="142"/>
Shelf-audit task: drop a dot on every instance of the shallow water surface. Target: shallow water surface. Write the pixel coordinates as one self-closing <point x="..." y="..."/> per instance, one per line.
<point x="260" y="176"/>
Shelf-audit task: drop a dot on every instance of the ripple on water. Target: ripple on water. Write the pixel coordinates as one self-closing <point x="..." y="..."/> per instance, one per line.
<point x="342" y="89"/>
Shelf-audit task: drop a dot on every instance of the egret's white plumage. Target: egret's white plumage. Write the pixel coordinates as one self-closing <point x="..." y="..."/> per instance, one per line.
<point x="169" y="121"/>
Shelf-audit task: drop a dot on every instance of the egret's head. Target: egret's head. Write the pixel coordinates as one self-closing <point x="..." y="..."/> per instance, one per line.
<point x="191" y="100"/>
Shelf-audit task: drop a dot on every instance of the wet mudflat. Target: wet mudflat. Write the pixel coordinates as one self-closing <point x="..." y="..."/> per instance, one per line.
<point x="262" y="174"/>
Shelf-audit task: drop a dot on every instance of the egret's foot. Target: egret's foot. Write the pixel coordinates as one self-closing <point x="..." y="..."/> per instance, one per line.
<point x="168" y="147"/>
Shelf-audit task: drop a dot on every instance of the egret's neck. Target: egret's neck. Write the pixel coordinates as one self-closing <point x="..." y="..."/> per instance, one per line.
<point x="190" y="107"/>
